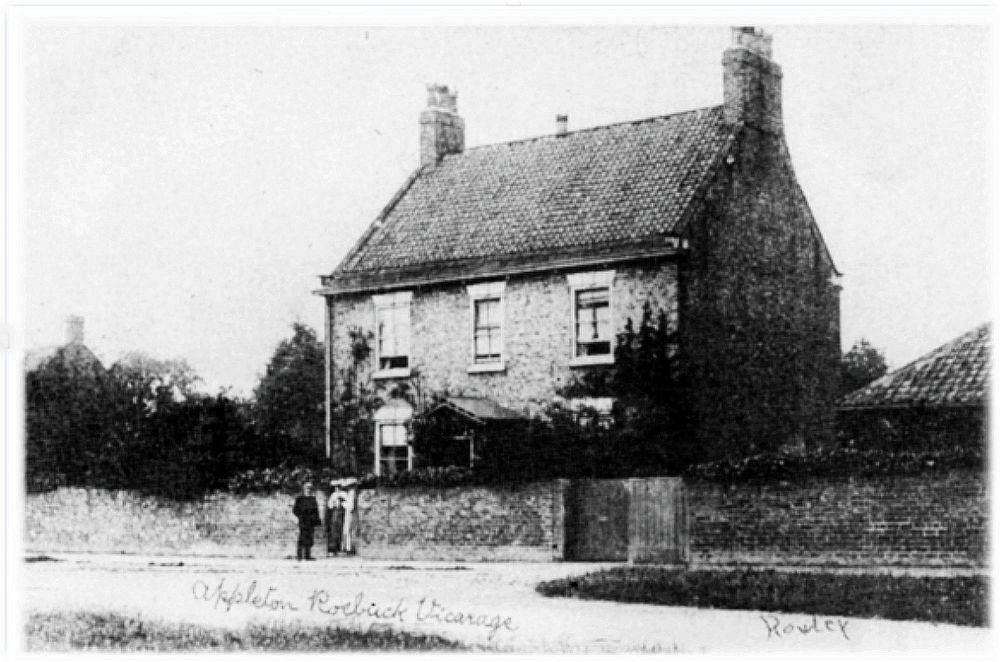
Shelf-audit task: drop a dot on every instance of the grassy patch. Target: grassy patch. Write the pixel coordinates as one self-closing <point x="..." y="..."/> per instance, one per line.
<point x="958" y="600"/>
<point x="64" y="631"/>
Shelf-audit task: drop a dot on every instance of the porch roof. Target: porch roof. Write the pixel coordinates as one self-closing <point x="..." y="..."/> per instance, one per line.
<point x="481" y="410"/>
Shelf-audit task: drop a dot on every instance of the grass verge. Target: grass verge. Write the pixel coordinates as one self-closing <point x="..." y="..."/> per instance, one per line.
<point x="65" y="631"/>
<point x="957" y="600"/>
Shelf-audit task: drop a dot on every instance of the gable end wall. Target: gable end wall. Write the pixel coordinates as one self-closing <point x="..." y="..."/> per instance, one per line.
<point x="760" y="316"/>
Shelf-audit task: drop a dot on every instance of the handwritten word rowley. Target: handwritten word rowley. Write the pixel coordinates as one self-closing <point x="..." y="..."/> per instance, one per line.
<point x="253" y="596"/>
<point x="776" y="629"/>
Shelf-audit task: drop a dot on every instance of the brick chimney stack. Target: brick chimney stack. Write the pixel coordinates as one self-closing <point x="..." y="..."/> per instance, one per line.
<point x="74" y="330"/>
<point x="442" y="131"/>
<point x="751" y="81"/>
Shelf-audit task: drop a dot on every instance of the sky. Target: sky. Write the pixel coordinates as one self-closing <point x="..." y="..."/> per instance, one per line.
<point x="182" y="186"/>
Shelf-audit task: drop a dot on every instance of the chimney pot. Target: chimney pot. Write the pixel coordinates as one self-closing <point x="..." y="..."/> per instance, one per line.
<point x="74" y="330"/>
<point x="562" y="125"/>
<point x="753" y="39"/>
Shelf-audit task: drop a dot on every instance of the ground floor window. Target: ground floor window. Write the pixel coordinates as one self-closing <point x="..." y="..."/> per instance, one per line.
<point x="394" y="450"/>
<point x="593" y="411"/>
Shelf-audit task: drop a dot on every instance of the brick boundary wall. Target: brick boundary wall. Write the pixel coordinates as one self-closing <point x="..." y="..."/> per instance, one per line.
<point x="515" y="523"/>
<point x="930" y="520"/>
<point x="91" y="520"/>
<point x="522" y="523"/>
<point x="937" y="520"/>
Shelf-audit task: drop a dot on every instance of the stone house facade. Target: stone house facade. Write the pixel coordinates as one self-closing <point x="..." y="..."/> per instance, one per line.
<point x="504" y="272"/>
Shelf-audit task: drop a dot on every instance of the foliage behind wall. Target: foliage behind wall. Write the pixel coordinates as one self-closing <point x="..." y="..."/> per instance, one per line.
<point x="143" y="425"/>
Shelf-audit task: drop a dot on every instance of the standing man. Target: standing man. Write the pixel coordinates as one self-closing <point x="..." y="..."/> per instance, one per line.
<point x="307" y="511"/>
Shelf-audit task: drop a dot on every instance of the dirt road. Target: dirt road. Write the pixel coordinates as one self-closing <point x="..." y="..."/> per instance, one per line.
<point x="493" y="606"/>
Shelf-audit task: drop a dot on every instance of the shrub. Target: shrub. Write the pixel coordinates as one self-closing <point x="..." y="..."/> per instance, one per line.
<point x="839" y="462"/>
<point x="958" y="600"/>
<point x="428" y="477"/>
<point x="283" y="478"/>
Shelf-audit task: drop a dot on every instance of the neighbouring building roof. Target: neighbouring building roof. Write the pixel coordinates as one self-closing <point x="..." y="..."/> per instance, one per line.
<point x="35" y="358"/>
<point x="72" y="354"/>
<point x="957" y="374"/>
<point x="479" y="409"/>
<point x="535" y="202"/>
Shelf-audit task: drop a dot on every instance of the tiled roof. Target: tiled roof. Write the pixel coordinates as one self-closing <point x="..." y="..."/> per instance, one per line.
<point x="955" y="374"/>
<point x="586" y="193"/>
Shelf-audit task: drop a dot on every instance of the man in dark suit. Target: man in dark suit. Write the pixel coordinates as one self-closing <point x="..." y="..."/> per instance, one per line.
<point x="307" y="511"/>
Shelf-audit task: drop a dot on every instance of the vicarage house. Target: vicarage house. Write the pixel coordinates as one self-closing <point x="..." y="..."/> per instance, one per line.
<point x="499" y="273"/>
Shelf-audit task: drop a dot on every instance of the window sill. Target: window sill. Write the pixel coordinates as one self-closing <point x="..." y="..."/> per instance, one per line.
<point x="487" y="367"/>
<point x="600" y="359"/>
<point x="392" y="373"/>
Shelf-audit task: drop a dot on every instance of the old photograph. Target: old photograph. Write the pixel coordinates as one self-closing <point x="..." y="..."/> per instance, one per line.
<point x="344" y="332"/>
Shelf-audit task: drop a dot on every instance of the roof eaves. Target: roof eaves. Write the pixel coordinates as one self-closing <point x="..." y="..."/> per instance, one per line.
<point x="360" y="282"/>
<point x="911" y="404"/>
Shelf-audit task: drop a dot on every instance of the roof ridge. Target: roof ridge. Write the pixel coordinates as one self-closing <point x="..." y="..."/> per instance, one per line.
<point x="589" y="129"/>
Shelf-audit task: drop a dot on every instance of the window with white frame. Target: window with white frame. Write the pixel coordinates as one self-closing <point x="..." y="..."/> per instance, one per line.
<point x="593" y="329"/>
<point x="487" y="318"/>
<point x="394" y="451"/>
<point x="486" y="334"/>
<point x="392" y="320"/>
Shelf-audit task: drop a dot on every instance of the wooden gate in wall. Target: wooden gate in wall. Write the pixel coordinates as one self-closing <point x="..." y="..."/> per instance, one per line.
<point x="658" y="521"/>
<point x="639" y="520"/>
<point x="596" y="520"/>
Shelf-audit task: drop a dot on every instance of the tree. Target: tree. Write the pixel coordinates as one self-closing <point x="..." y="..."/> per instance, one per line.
<point x="290" y="397"/>
<point x="651" y="427"/>
<point x="861" y="365"/>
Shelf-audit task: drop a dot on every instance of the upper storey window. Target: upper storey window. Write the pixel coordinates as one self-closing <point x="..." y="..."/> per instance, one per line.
<point x="487" y="311"/>
<point x="593" y="331"/>
<point x="593" y="322"/>
<point x="392" y="320"/>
